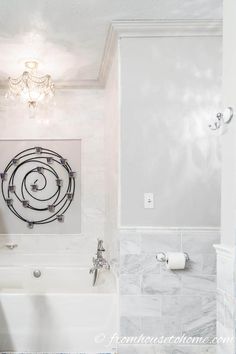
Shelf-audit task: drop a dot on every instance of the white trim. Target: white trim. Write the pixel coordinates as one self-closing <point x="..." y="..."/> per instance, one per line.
<point x="68" y="85"/>
<point x="79" y="84"/>
<point x="118" y="211"/>
<point x="167" y="28"/>
<point x="111" y="46"/>
<point x="41" y="139"/>
<point x="168" y="228"/>
<point x="153" y="28"/>
<point x="140" y="29"/>
<point x="225" y="250"/>
<point x="81" y="235"/>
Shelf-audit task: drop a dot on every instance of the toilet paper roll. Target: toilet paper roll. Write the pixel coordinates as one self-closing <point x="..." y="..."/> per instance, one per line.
<point x="175" y="260"/>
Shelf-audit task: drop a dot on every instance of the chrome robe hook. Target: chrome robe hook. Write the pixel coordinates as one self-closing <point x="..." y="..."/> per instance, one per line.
<point x="222" y="119"/>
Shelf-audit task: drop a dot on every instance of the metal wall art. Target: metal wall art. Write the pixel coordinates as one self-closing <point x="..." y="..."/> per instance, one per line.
<point x="38" y="186"/>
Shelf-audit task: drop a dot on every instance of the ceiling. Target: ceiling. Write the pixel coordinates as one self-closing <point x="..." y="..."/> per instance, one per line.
<point x="68" y="37"/>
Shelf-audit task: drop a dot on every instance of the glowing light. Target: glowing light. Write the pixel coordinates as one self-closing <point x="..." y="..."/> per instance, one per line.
<point x="30" y="87"/>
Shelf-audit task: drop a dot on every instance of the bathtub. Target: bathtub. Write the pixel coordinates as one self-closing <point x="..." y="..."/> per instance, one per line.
<point x="58" y="312"/>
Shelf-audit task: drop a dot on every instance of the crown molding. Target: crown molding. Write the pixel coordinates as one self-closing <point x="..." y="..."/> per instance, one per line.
<point x="140" y="29"/>
<point x="167" y="28"/>
<point x="153" y="28"/>
<point x="68" y="85"/>
<point x="108" y="54"/>
<point x="79" y="84"/>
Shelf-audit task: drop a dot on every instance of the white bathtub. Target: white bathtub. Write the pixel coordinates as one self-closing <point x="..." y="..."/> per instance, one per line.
<point x="58" y="312"/>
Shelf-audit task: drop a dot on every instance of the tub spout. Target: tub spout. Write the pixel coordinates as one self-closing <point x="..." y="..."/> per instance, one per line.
<point x="99" y="262"/>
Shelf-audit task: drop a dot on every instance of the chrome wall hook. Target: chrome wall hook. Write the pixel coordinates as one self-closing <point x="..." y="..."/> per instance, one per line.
<point x="222" y="118"/>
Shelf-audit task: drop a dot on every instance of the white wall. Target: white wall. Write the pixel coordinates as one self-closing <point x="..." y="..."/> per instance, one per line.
<point x="228" y="139"/>
<point x="226" y="251"/>
<point x="170" y="88"/>
<point x="112" y="121"/>
<point x="78" y="114"/>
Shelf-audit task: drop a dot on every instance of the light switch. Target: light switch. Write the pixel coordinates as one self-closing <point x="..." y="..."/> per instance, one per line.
<point x="148" y="200"/>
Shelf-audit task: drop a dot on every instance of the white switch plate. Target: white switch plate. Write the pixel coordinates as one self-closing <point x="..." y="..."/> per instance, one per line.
<point x="148" y="200"/>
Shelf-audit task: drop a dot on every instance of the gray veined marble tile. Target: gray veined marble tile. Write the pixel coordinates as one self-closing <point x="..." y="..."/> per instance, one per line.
<point x="140" y="306"/>
<point x="161" y="241"/>
<point x="209" y="306"/>
<point x="165" y="326"/>
<point x="198" y="284"/>
<point x="130" y="264"/>
<point x="130" y="284"/>
<point x="197" y="349"/>
<point x="185" y="308"/>
<point x="130" y="326"/>
<point x="208" y="350"/>
<point x="169" y="284"/>
<point x="151" y="326"/>
<point x="148" y="349"/>
<point x="199" y="241"/>
<point x="195" y="264"/>
<point x="130" y="243"/>
<point x="220" y="308"/>
<point x="137" y="349"/>
<point x="209" y="264"/>
<point x="165" y="349"/>
<point x="230" y="320"/>
<point x="202" y="327"/>
<point x="149" y="264"/>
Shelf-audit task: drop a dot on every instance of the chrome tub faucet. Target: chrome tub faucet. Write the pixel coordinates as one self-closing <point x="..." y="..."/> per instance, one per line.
<point x="99" y="262"/>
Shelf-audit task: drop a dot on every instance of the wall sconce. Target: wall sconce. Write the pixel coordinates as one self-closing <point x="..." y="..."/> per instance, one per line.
<point x="222" y="119"/>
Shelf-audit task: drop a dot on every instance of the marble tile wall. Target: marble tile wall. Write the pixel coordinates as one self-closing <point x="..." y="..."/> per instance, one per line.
<point x="226" y="305"/>
<point x="158" y="302"/>
<point x="203" y="349"/>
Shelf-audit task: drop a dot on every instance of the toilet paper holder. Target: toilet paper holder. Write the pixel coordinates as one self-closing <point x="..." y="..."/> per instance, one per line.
<point x="163" y="257"/>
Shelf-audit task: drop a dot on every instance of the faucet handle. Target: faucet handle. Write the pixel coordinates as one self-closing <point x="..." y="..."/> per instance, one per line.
<point x="11" y="245"/>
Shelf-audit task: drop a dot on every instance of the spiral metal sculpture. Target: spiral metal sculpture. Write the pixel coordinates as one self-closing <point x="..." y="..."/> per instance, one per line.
<point x="38" y="186"/>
